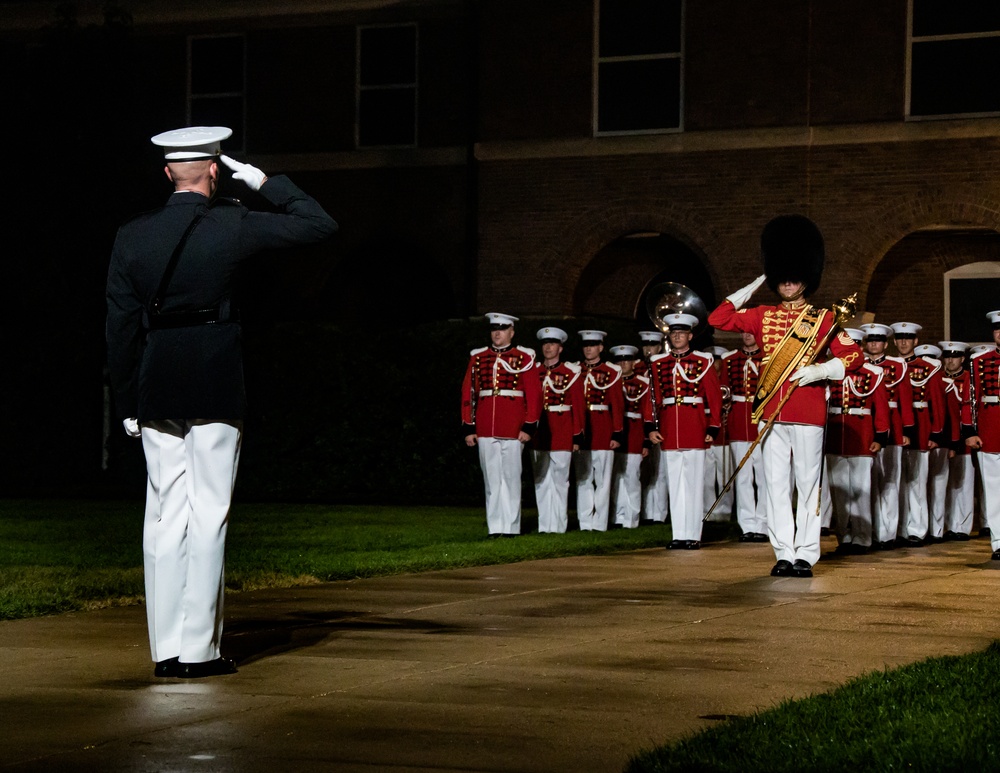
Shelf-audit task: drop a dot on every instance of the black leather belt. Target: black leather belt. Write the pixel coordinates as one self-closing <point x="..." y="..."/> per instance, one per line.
<point x="176" y="319"/>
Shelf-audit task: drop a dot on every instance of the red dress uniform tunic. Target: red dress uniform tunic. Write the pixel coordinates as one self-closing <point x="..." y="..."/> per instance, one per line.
<point x="928" y="401"/>
<point x="636" y="389"/>
<point x="502" y="391"/>
<point x="982" y="416"/>
<point x="769" y="324"/>
<point x="686" y="396"/>
<point x="641" y="368"/>
<point x="605" y="404"/>
<point x="858" y="413"/>
<point x="900" y="394"/>
<point x="956" y="393"/>
<point x="562" y="407"/>
<point x="739" y="375"/>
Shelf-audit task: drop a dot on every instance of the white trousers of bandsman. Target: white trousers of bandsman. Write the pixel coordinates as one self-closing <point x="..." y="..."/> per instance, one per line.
<point x="655" y="486"/>
<point x="718" y="467"/>
<point x="989" y="467"/>
<point x="626" y="492"/>
<point x="500" y="459"/>
<point x="685" y="472"/>
<point x="794" y="534"/>
<point x="551" y="473"/>
<point x="887" y="475"/>
<point x="751" y="513"/>
<point x="961" y="492"/>
<point x="937" y="490"/>
<point x="593" y="488"/>
<point x="914" y="514"/>
<point x="850" y="484"/>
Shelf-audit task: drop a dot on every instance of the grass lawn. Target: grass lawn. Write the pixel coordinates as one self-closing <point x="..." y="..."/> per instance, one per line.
<point x="942" y="714"/>
<point x="58" y="556"/>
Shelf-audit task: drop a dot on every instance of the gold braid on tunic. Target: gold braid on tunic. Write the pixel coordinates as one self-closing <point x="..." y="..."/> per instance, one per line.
<point x="783" y="358"/>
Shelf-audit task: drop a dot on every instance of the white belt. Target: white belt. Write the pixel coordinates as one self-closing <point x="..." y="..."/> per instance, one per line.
<point x="633" y="415"/>
<point x="893" y="404"/>
<point x="739" y="399"/>
<point x="682" y="400"/>
<point x="991" y="399"/>
<point x="501" y="393"/>
<point x="851" y="411"/>
<point x="598" y="407"/>
<point x="919" y="404"/>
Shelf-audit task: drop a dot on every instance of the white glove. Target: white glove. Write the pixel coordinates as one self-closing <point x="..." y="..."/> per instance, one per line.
<point x="831" y="369"/>
<point x="251" y="175"/>
<point x="742" y="295"/>
<point x="131" y="427"/>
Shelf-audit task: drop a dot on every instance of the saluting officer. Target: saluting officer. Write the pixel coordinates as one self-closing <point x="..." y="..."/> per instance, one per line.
<point x="501" y="405"/>
<point x="560" y="430"/>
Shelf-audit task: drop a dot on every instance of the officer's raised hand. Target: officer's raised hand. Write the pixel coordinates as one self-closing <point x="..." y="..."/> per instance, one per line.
<point x="251" y="175"/>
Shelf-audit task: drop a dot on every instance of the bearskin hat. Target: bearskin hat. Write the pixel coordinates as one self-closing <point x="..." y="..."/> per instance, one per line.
<point x="792" y="249"/>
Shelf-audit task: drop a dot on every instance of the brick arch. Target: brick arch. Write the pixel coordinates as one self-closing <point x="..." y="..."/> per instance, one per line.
<point x="580" y="241"/>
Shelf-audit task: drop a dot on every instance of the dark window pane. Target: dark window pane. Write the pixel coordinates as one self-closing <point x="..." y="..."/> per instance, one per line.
<point x="971" y="299"/>
<point x="216" y="65"/>
<point x="388" y="55"/>
<point x="633" y="96"/>
<point x="220" y="111"/>
<point x="955" y="76"/>
<point x="633" y="27"/>
<point x="386" y="117"/>
<point x="950" y="17"/>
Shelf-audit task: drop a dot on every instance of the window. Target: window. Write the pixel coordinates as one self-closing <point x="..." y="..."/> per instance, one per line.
<point x="387" y="86"/>
<point x="217" y="85"/>
<point x="970" y="292"/>
<point x="954" y="59"/>
<point x="639" y="66"/>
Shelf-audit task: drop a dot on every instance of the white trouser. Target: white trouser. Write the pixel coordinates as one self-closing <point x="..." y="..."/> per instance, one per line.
<point x="850" y="485"/>
<point x="686" y="469"/>
<point x="718" y="468"/>
<point x="593" y="488"/>
<point x="191" y="471"/>
<point x="551" y="470"/>
<point x="979" y="515"/>
<point x="654" y="494"/>
<point x="500" y="459"/>
<point x="626" y="490"/>
<point x="914" y="514"/>
<point x="958" y="502"/>
<point x="989" y="466"/>
<point x="826" y="518"/>
<point x="937" y="490"/>
<point x="750" y="512"/>
<point x="793" y="452"/>
<point x="886" y="475"/>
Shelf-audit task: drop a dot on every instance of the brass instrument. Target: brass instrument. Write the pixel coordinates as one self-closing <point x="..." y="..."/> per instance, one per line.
<point x="674" y="298"/>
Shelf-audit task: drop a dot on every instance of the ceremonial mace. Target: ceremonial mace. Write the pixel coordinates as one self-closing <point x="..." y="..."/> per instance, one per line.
<point x="843" y="310"/>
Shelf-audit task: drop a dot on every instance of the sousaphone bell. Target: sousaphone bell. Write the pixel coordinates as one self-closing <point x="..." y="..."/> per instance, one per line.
<point x="675" y="298"/>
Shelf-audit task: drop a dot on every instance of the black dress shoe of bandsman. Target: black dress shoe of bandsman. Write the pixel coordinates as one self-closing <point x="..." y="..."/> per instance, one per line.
<point x="166" y="668"/>
<point x="675" y="544"/>
<point x="782" y="569"/>
<point x="692" y="544"/>
<point x="995" y="556"/>
<point x="216" y="667"/>
<point x="802" y="568"/>
<point x="758" y="537"/>
<point x="747" y="536"/>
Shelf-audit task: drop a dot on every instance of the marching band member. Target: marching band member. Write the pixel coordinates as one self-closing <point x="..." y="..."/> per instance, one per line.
<point x="501" y="405"/>
<point x="654" y="477"/>
<point x="982" y="429"/>
<point x="961" y="475"/>
<point x="718" y="456"/>
<point x="626" y="488"/>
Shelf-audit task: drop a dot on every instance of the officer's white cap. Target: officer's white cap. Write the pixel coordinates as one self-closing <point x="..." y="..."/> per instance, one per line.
<point x="718" y="351"/>
<point x="496" y="318"/>
<point x="873" y="329"/>
<point x="856" y="335"/>
<point x="681" y="321"/>
<point x="192" y="143"/>
<point x="953" y="348"/>
<point x="552" y="334"/>
<point x="980" y="348"/>
<point x="651" y="336"/>
<point x="626" y="351"/>
<point x="994" y="317"/>
<point x="905" y="328"/>
<point x="927" y="350"/>
<point x="597" y="336"/>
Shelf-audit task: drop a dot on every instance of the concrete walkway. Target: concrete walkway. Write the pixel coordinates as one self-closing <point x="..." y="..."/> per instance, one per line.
<point x="563" y="665"/>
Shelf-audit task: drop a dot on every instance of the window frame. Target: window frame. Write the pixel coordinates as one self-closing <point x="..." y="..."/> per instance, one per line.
<point x="359" y="88"/>
<point x="595" y="78"/>
<point x="983" y="269"/>
<point x="242" y="94"/>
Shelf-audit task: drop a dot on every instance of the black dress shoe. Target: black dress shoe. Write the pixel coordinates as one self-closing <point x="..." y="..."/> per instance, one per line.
<point x="747" y="536"/>
<point x="802" y="568"/>
<point x="995" y="556"/>
<point x="887" y="545"/>
<point x="675" y="544"/>
<point x="935" y="540"/>
<point x="758" y="537"/>
<point x="850" y="549"/>
<point x="216" y="667"/>
<point x="912" y="542"/>
<point x="984" y="532"/>
<point x="782" y="569"/>
<point x="692" y="544"/>
<point x="166" y="668"/>
<point x="960" y="537"/>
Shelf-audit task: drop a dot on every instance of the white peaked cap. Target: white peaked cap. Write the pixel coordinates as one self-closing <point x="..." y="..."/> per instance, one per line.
<point x="192" y="143"/>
